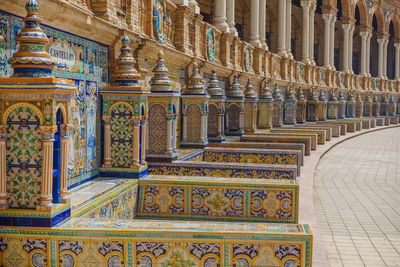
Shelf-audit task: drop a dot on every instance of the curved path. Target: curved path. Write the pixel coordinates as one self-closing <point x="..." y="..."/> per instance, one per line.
<point x="357" y="200"/>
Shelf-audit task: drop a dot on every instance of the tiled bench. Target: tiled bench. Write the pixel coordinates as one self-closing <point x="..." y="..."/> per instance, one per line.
<point x="321" y="134"/>
<point x="313" y="137"/>
<point x="215" y="198"/>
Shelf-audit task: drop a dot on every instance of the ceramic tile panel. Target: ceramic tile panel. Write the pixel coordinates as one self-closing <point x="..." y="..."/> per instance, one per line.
<point x="213" y="198"/>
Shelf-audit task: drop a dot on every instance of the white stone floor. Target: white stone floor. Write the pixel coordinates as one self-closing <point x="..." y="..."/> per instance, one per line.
<point x="357" y="200"/>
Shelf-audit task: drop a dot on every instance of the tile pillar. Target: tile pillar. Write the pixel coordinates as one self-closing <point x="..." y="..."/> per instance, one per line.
<point x="397" y="60"/>
<point x="262" y="20"/>
<point x="220" y="16"/>
<point x="230" y="14"/>
<point x="3" y="177"/>
<point x="46" y="187"/>
<point x="144" y="134"/>
<point x="254" y="23"/>
<point x="282" y="29"/>
<point x="306" y="31"/>
<point x="327" y="37"/>
<point x="107" y="162"/>
<point x="288" y="26"/>
<point x="65" y="136"/>
<point x="311" y="33"/>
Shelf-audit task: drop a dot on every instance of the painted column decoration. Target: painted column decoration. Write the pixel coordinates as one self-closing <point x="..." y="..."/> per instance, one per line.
<point x="322" y="106"/>
<point x="359" y="106"/>
<point x="195" y="108"/>
<point x="265" y="108"/>
<point x="234" y="109"/>
<point x="65" y="136"/>
<point x="376" y="106"/>
<point x="332" y="106"/>
<point x="301" y="110"/>
<point x="3" y="178"/>
<point x="216" y="110"/>
<point x="29" y="124"/>
<point x="254" y="23"/>
<point x="277" y="108"/>
<point x="124" y="115"/>
<point x="312" y="107"/>
<point x="368" y="106"/>
<point x="250" y="108"/>
<point x="163" y="109"/>
<point x="392" y="106"/>
<point x="341" y="106"/>
<point x="282" y="29"/>
<point x="384" y="105"/>
<point x="289" y="112"/>
<point x="220" y="16"/>
<point x="350" y="106"/>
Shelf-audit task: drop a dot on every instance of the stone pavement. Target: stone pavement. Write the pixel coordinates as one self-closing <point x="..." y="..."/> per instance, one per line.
<point x="357" y="200"/>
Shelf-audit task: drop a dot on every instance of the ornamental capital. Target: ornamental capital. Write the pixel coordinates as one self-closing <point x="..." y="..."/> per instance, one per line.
<point x="3" y="132"/>
<point x="48" y="131"/>
<point x="66" y="130"/>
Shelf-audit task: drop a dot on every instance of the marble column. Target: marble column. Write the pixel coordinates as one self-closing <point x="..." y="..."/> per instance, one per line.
<point x="351" y="35"/>
<point x="363" y="64"/>
<point x="282" y="29"/>
<point x="230" y="15"/>
<point x="136" y="138"/>
<point x="368" y="55"/>
<point x="220" y="16"/>
<point x="288" y="25"/>
<point x="65" y="136"/>
<point x="306" y="31"/>
<point x="3" y="177"/>
<point x="385" y="46"/>
<point x="397" y="61"/>
<point x="262" y="19"/>
<point x="327" y="37"/>
<point x="346" y="30"/>
<point x="381" y="43"/>
<point x="332" y="45"/>
<point x="254" y="23"/>
<point x="107" y="162"/>
<point x="311" y="42"/>
<point x="170" y="127"/>
<point x="220" y="122"/>
<point x="46" y="186"/>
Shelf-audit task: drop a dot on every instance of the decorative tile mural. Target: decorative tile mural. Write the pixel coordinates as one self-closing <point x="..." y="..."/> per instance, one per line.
<point x="212" y="198"/>
<point x="85" y="62"/>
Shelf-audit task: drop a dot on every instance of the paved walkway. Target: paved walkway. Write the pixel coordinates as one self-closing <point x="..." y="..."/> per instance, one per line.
<point x="357" y="200"/>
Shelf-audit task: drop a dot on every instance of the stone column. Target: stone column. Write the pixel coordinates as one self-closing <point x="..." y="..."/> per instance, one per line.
<point x="194" y="6"/>
<point x="381" y="43"/>
<point x="254" y="23"/>
<point x="332" y="45"/>
<point x="136" y="138"/>
<point x="203" y="131"/>
<point x="327" y="37"/>
<point x="306" y="31"/>
<point x="3" y="177"/>
<point x="385" y="45"/>
<point x="144" y="134"/>
<point x="346" y="30"/>
<point x="220" y="16"/>
<point x="311" y="42"/>
<point x="107" y="142"/>
<point x="282" y="29"/>
<point x="65" y="135"/>
<point x="351" y="35"/>
<point x="368" y="54"/>
<point x="220" y="122"/>
<point x="288" y="25"/>
<point x="184" y="122"/>
<point x="174" y="133"/>
<point x="262" y="19"/>
<point x="363" y="64"/>
<point x="46" y="187"/>
<point x="230" y="14"/>
<point x="397" y="60"/>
